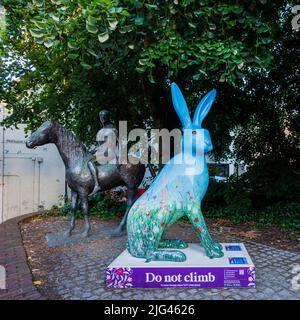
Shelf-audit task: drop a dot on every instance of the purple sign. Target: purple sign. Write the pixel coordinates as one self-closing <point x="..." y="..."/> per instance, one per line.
<point x="214" y="277"/>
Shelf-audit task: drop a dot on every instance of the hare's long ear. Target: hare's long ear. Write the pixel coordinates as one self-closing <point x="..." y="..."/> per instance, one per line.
<point x="204" y="107"/>
<point x="180" y="106"/>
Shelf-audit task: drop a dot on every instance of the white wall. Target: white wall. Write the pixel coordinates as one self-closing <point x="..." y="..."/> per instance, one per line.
<point x="233" y="167"/>
<point x="30" y="179"/>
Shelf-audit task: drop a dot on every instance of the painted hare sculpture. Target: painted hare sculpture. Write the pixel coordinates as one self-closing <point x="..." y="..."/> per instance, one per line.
<point x="176" y="192"/>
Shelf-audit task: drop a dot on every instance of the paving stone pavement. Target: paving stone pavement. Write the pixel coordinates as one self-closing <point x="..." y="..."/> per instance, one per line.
<point x="18" y="282"/>
<point x="77" y="272"/>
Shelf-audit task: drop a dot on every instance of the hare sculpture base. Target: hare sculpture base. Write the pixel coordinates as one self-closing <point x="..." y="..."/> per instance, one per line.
<point x="234" y="270"/>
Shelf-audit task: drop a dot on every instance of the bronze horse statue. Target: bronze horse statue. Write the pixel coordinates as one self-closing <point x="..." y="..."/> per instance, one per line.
<point x="78" y="175"/>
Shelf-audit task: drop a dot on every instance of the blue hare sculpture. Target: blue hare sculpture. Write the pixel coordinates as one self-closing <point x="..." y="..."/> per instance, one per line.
<point x="176" y="192"/>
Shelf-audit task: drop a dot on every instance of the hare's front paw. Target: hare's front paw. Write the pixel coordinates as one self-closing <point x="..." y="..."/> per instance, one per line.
<point x="181" y="244"/>
<point x="217" y="246"/>
<point x="214" y="250"/>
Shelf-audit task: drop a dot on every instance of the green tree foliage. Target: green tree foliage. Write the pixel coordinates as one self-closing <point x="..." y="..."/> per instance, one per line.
<point x="66" y="60"/>
<point x="73" y="57"/>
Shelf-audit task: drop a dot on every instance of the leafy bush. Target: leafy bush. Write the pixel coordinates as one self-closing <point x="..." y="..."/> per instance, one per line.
<point x="286" y="215"/>
<point x="269" y="192"/>
<point x="105" y="205"/>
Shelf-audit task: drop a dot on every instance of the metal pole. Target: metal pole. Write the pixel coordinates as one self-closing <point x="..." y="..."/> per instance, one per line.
<point x="2" y="174"/>
<point x="2" y="164"/>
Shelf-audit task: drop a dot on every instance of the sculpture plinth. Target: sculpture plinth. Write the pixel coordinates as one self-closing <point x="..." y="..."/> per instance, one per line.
<point x="234" y="270"/>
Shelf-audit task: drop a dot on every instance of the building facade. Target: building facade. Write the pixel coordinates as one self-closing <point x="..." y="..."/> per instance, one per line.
<point x="30" y="179"/>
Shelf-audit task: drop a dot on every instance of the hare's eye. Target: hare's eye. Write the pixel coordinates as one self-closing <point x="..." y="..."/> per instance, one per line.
<point x="194" y="132"/>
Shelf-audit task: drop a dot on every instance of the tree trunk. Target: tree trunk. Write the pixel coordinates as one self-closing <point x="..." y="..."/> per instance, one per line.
<point x="158" y="96"/>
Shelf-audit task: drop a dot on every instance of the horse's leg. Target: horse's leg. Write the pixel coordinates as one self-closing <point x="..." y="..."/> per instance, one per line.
<point x="121" y="229"/>
<point x="85" y="211"/>
<point x="74" y="205"/>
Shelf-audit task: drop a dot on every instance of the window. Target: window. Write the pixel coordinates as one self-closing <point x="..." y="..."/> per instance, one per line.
<point x="219" y="169"/>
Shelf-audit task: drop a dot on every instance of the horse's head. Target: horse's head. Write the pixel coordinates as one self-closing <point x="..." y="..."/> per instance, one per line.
<point x="43" y="135"/>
